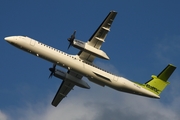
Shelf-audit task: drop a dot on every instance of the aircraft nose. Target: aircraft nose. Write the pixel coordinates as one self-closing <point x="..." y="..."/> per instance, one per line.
<point x="9" y="39"/>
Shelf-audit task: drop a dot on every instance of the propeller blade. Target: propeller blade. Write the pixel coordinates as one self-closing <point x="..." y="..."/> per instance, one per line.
<point x="73" y="36"/>
<point x="52" y="70"/>
<point x="71" y="39"/>
<point x="69" y="45"/>
<point x="50" y="76"/>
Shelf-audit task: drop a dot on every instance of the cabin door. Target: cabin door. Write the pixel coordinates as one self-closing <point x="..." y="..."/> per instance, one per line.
<point x="32" y="42"/>
<point x="115" y="78"/>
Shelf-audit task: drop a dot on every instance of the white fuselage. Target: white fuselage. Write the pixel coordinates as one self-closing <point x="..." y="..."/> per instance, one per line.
<point x="73" y="62"/>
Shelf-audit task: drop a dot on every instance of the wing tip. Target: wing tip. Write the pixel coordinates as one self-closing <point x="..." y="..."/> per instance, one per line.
<point x="172" y="65"/>
<point x="113" y="11"/>
<point x="53" y="104"/>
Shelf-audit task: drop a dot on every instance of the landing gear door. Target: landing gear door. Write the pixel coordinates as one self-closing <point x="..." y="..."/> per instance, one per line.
<point x="32" y="42"/>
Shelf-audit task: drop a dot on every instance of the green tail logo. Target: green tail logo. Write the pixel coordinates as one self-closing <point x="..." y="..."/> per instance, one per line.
<point x="158" y="83"/>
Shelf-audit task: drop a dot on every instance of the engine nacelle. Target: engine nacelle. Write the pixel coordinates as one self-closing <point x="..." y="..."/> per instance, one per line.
<point x="67" y="77"/>
<point x="87" y="48"/>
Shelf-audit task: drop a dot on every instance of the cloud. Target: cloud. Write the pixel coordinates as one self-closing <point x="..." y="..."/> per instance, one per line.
<point x="100" y="103"/>
<point x="2" y="116"/>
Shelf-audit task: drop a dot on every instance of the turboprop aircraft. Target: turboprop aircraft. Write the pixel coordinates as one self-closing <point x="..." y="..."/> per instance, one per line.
<point x="82" y="65"/>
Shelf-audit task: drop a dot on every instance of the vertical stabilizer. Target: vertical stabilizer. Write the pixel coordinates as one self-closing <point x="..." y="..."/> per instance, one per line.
<point x="158" y="83"/>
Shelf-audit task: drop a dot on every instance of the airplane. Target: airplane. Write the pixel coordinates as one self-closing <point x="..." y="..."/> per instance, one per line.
<point x="81" y="65"/>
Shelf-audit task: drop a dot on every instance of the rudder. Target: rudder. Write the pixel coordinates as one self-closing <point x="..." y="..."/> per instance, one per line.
<point x="158" y="83"/>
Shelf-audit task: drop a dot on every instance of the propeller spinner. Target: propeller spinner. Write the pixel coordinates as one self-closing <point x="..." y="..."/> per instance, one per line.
<point x="71" y="39"/>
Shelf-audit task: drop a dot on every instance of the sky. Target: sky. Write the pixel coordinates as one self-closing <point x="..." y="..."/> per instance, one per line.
<point x="144" y="39"/>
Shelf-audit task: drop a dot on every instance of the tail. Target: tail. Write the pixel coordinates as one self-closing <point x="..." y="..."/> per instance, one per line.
<point x="158" y="83"/>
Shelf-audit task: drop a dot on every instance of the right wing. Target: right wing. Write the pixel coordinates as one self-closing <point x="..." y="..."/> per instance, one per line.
<point x="98" y="37"/>
<point x="62" y="92"/>
<point x="100" y="34"/>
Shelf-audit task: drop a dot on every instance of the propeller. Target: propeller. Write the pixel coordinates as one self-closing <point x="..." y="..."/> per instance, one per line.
<point x="52" y="70"/>
<point x="71" y="39"/>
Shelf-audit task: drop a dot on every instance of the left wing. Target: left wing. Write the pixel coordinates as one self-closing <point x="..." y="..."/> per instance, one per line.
<point x="98" y="37"/>
<point x="65" y="87"/>
<point x="62" y="92"/>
